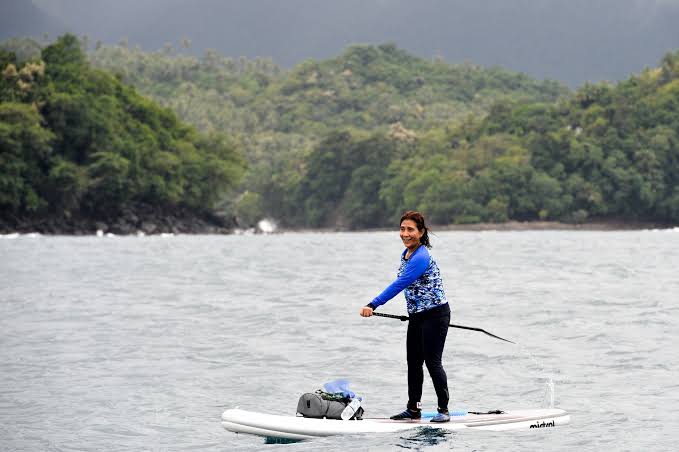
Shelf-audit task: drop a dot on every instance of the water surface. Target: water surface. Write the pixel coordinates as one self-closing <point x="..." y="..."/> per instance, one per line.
<point x="139" y="343"/>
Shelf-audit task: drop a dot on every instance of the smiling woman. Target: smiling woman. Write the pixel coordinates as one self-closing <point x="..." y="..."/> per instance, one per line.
<point x="419" y="278"/>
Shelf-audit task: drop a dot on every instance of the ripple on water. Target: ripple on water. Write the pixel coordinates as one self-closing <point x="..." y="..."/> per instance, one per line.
<point x="140" y="344"/>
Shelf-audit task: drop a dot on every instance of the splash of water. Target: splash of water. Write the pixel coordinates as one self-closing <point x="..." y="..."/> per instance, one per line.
<point x="550" y="385"/>
<point x="549" y="393"/>
<point x="266" y="226"/>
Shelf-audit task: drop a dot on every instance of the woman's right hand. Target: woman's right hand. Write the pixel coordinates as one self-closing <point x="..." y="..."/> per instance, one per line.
<point x="366" y="311"/>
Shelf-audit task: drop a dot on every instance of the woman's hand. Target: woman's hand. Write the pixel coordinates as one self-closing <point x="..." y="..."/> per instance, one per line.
<point x="366" y="311"/>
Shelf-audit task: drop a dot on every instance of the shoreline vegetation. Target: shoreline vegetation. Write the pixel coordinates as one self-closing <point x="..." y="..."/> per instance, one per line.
<point x="121" y="141"/>
<point x="610" y="225"/>
<point x="144" y="220"/>
<point x="135" y="224"/>
<point x="599" y="225"/>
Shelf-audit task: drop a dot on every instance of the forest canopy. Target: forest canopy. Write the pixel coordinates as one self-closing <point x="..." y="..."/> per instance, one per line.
<point x="76" y="141"/>
<point x="348" y="142"/>
<point x="370" y="95"/>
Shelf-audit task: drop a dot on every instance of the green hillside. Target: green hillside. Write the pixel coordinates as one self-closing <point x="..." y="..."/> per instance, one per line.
<point x="607" y="152"/>
<point x="366" y="87"/>
<point x="348" y="142"/>
<point x="77" y="142"/>
<point x="280" y="116"/>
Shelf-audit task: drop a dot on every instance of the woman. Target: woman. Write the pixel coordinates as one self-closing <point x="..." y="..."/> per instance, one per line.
<point x="429" y="314"/>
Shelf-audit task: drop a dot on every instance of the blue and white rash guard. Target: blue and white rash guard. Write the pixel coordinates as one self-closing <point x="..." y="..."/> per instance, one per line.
<point x="420" y="279"/>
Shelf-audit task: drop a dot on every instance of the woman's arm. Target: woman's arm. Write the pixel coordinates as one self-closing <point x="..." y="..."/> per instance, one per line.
<point x="416" y="266"/>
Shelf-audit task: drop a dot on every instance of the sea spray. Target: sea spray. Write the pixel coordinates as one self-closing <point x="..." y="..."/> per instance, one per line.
<point x="549" y="396"/>
<point x="266" y="226"/>
<point x="549" y="393"/>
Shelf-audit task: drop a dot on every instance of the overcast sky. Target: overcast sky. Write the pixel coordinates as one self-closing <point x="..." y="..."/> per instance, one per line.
<point x="569" y="40"/>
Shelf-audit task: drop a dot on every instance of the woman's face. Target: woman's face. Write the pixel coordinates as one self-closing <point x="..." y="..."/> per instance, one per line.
<point x="410" y="234"/>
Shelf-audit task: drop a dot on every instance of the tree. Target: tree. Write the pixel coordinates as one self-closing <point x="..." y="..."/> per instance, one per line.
<point x="24" y="155"/>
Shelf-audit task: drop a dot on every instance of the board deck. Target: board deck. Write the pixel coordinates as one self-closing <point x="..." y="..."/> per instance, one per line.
<point x="300" y="428"/>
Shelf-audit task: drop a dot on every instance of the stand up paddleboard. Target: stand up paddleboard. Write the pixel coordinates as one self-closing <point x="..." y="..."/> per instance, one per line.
<point x="300" y="428"/>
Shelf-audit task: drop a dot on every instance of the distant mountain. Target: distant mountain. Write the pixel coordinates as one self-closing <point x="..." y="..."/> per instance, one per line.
<point x="21" y="18"/>
<point x="569" y="40"/>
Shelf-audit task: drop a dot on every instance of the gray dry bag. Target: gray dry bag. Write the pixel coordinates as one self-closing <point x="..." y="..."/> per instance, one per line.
<point x="322" y="405"/>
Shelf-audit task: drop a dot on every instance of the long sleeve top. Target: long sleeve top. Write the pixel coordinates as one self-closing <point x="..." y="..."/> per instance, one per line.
<point x="420" y="279"/>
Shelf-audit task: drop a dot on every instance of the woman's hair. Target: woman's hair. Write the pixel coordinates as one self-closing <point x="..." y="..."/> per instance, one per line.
<point x="418" y="218"/>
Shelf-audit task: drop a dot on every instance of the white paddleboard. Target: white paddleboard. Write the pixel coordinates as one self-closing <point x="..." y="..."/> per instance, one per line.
<point x="299" y="428"/>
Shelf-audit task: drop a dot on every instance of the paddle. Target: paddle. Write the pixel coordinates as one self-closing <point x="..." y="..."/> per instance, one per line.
<point x="403" y="318"/>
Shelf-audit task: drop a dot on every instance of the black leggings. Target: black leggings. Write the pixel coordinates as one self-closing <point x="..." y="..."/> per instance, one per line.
<point x="424" y="344"/>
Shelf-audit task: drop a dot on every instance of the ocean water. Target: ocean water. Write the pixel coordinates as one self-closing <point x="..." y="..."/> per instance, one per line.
<point x="140" y="343"/>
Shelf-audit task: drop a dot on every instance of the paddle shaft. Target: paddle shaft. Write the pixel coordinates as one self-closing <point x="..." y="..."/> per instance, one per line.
<point x="403" y="318"/>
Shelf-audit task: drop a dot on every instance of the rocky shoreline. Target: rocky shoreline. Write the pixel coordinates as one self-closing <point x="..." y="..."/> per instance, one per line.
<point x="595" y="225"/>
<point x="149" y="221"/>
<point x="144" y="220"/>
